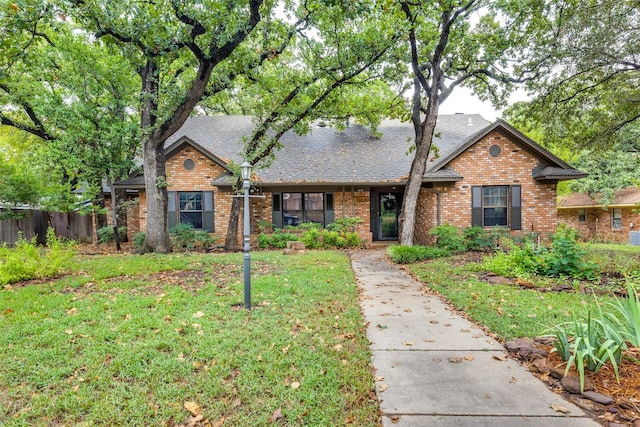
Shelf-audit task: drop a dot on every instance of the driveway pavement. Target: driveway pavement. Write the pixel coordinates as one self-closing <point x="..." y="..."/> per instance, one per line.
<point x="435" y="368"/>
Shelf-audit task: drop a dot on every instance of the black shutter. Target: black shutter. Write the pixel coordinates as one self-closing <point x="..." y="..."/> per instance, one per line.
<point x="516" y="207"/>
<point x="207" y="213"/>
<point x="329" y="213"/>
<point x="276" y="210"/>
<point x="172" y="212"/>
<point x="476" y="206"/>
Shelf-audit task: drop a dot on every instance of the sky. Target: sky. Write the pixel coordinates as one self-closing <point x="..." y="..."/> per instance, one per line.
<point x="462" y="100"/>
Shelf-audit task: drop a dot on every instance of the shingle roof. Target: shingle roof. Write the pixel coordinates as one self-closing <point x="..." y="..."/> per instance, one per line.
<point x="326" y="155"/>
<point x="353" y="156"/>
<point x="626" y="197"/>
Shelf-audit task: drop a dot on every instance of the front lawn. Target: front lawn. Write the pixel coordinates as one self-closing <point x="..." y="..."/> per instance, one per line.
<point x="164" y="340"/>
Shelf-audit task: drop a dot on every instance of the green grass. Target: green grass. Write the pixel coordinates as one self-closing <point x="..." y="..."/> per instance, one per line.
<point x="127" y="340"/>
<point x="507" y="310"/>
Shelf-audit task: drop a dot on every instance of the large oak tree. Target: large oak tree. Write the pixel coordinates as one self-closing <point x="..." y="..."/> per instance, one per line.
<point x="479" y="44"/>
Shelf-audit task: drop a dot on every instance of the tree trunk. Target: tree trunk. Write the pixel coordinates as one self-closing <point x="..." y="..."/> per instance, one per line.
<point x="155" y="182"/>
<point x="114" y="214"/>
<point x="412" y="190"/>
<point x="155" y="177"/>
<point x="231" y="241"/>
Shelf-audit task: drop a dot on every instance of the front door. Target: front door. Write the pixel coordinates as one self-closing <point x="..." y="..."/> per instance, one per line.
<point x="389" y="209"/>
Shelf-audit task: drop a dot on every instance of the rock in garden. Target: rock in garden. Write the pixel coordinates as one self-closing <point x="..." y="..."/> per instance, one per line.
<point x="526" y="348"/>
<point x="597" y="397"/>
<point x="572" y="384"/>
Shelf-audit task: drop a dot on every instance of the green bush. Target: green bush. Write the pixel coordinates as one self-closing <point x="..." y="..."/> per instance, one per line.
<point x="333" y="239"/>
<point x="565" y="257"/>
<point x="410" y="254"/>
<point x="138" y="240"/>
<point x="106" y="234"/>
<point x="311" y="238"/>
<point x="344" y="225"/>
<point x="478" y="239"/>
<point x="182" y="236"/>
<point x="27" y="261"/>
<point x="448" y="237"/>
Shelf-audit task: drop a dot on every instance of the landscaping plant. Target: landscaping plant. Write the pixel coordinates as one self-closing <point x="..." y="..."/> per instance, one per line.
<point x="29" y="261"/>
<point x="410" y="254"/>
<point x="448" y="237"/>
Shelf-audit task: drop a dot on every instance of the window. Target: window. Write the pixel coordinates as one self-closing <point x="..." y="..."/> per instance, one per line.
<point x="191" y="207"/>
<point x="295" y="208"/>
<point x="582" y="215"/>
<point x="496" y="205"/>
<point x="616" y="218"/>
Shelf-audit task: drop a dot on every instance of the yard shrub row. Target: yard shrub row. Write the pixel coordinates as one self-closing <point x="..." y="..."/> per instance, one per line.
<point x="28" y="261"/>
<point x="338" y="235"/>
<point x="565" y="257"/>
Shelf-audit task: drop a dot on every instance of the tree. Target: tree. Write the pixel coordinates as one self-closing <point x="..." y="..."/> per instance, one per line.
<point x="180" y="47"/>
<point x="72" y="93"/>
<point x="591" y="97"/>
<point x="475" y="43"/>
<point x="334" y="70"/>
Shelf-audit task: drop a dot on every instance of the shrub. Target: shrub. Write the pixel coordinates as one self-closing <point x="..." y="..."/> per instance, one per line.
<point x="182" y="236"/>
<point x="566" y="256"/>
<point x="138" y="240"/>
<point x="344" y="225"/>
<point x="478" y="239"/>
<point x="28" y="261"/>
<point x="311" y="238"/>
<point x="106" y="234"/>
<point x="410" y="254"/>
<point x="333" y="239"/>
<point x="448" y="237"/>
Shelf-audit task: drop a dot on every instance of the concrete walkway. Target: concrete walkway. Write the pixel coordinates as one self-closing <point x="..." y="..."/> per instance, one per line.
<point x="435" y="368"/>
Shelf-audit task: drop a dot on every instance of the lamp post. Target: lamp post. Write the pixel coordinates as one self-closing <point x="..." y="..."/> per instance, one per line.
<point x="245" y="170"/>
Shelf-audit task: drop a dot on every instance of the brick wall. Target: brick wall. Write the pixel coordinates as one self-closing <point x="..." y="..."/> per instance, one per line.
<point x="597" y="226"/>
<point x="512" y="167"/>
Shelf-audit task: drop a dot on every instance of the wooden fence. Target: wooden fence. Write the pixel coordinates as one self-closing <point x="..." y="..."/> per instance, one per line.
<point x="71" y="225"/>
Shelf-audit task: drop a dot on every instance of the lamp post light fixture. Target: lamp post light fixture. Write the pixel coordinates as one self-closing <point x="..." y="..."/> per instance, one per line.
<point x="245" y="170"/>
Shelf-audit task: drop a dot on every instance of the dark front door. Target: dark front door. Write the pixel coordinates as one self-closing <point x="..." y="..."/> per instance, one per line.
<point x="389" y="209"/>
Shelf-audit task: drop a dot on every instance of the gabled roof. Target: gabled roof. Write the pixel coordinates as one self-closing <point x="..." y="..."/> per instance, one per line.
<point x="553" y="168"/>
<point x="353" y="156"/>
<point x="350" y="157"/>
<point x="627" y="197"/>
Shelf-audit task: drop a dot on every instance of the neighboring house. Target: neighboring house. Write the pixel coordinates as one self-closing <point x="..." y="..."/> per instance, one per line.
<point x="611" y="223"/>
<point x="479" y="173"/>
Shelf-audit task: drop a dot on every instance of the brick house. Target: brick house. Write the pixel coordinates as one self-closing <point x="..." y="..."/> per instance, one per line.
<point x="479" y="173"/>
<point x="594" y="221"/>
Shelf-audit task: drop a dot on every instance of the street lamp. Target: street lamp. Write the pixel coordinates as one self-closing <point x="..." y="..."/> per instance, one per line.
<point x="245" y="170"/>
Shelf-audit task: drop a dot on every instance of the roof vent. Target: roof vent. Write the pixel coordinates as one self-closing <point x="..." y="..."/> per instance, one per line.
<point x="469" y="123"/>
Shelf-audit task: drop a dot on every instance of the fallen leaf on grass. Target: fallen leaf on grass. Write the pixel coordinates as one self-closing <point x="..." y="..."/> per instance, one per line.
<point x="559" y="408"/>
<point x="277" y="414"/>
<point x="192" y="407"/>
<point x="72" y="310"/>
<point x="68" y="331"/>
<point x="194" y="420"/>
<point x="198" y="314"/>
<point x="237" y="402"/>
<point x="286" y="349"/>
<point x="295" y="385"/>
